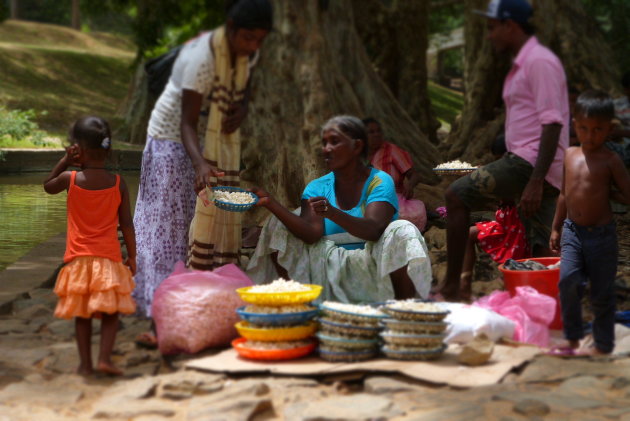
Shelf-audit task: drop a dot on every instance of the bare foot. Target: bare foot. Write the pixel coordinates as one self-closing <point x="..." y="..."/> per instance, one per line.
<point x="592" y="352"/>
<point x="84" y="371"/>
<point x="109" y="369"/>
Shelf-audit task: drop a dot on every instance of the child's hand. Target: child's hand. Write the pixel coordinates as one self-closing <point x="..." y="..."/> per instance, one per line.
<point x="73" y="156"/>
<point x="554" y="241"/>
<point x="131" y="263"/>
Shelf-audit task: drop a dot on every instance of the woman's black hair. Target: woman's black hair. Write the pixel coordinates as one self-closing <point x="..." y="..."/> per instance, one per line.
<point x="92" y="133"/>
<point x="625" y="80"/>
<point x="369" y="120"/>
<point x="352" y="127"/>
<point x="595" y="104"/>
<point x="250" y="14"/>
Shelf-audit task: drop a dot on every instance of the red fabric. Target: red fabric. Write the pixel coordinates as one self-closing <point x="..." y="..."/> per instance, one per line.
<point x="93" y="222"/>
<point x="394" y="161"/>
<point x="504" y="238"/>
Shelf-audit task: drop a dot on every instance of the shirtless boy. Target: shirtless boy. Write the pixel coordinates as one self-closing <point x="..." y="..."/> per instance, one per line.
<point x="583" y="228"/>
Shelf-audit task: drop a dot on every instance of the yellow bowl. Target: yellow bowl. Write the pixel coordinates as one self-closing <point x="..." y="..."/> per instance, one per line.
<point x="280" y="298"/>
<point x="292" y="333"/>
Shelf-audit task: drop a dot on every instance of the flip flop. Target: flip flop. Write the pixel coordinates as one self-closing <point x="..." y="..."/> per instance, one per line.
<point x="565" y="352"/>
<point x="146" y="340"/>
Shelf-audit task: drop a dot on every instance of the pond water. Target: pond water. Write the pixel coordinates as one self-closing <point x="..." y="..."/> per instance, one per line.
<point x="30" y="216"/>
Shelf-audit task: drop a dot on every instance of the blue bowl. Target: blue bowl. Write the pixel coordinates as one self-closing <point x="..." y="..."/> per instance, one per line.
<point x="276" y="319"/>
<point x="234" y="207"/>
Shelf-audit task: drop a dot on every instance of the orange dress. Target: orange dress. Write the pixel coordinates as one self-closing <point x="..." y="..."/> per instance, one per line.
<point x="94" y="279"/>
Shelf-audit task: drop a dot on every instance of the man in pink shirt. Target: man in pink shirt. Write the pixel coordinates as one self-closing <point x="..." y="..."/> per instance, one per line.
<point x="536" y="132"/>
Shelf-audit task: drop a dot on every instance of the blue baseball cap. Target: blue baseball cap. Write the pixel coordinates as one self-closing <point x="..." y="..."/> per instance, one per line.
<point x="517" y="10"/>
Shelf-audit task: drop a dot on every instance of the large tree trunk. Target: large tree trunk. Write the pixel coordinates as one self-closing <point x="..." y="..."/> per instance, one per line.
<point x="314" y="66"/>
<point x="563" y="26"/>
<point x="13" y="5"/>
<point x="76" y="15"/>
<point x="395" y="36"/>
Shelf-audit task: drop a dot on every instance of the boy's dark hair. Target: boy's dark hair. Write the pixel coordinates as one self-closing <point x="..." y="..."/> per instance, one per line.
<point x="369" y="120"/>
<point x="352" y="127"/>
<point x="92" y="133"/>
<point x="594" y="103"/>
<point x="250" y="14"/>
<point x="527" y="27"/>
<point x="625" y="80"/>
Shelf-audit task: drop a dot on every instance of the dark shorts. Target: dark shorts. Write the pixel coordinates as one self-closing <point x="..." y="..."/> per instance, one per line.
<point x="504" y="180"/>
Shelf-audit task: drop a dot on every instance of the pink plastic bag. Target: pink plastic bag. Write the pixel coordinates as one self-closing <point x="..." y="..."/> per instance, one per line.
<point x="194" y="310"/>
<point x="413" y="211"/>
<point x="530" y="310"/>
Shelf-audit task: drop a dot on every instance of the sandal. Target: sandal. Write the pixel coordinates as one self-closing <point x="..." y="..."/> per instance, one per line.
<point x="146" y="340"/>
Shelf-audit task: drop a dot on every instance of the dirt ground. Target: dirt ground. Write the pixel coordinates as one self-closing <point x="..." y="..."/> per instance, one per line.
<point x="38" y="357"/>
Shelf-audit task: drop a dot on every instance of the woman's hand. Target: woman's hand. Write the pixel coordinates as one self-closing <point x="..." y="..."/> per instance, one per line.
<point x="234" y="117"/>
<point x="264" y="198"/>
<point x="203" y="175"/>
<point x="320" y="206"/>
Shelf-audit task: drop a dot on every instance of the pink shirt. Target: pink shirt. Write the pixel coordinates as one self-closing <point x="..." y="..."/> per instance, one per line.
<point x="535" y="93"/>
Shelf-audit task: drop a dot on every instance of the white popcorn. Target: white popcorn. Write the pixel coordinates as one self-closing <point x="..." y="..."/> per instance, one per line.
<point x="410" y="305"/>
<point x="353" y="308"/>
<point x="280" y="285"/>
<point x="455" y="165"/>
<point x="239" y="198"/>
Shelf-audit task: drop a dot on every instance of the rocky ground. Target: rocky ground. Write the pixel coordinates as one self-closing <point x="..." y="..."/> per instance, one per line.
<point x="38" y="356"/>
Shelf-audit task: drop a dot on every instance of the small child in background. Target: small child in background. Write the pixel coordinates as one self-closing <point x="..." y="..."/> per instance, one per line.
<point x="583" y="229"/>
<point x="94" y="282"/>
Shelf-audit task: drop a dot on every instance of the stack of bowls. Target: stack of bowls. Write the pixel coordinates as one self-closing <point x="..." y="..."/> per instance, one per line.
<point x="277" y="325"/>
<point x="348" y="332"/>
<point x="416" y="330"/>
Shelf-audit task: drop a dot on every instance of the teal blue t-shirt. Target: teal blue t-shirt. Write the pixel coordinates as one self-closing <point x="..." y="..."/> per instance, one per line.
<point x="379" y="187"/>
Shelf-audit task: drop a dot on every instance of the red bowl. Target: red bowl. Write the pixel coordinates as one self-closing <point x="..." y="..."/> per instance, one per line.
<point x="271" y="354"/>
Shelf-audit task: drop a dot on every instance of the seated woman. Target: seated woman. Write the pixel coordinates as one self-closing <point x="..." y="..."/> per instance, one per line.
<point x="346" y="236"/>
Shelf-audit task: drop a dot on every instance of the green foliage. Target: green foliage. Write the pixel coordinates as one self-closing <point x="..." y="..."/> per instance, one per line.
<point x="444" y="19"/>
<point x="17" y="128"/>
<point x="613" y="17"/>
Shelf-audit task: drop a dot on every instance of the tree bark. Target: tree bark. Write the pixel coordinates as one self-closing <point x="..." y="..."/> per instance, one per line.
<point x="14" y="6"/>
<point x="76" y="15"/>
<point x="396" y="40"/>
<point x="314" y="66"/>
<point x="563" y="26"/>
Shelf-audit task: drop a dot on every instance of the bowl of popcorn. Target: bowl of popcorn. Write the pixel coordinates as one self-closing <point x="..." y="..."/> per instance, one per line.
<point x="456" y="168"/>
<point x="280" y="292"/>
<point x="233" y="199"/>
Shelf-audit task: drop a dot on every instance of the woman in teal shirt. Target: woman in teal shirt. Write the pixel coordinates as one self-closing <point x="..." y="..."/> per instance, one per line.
<point x="346" y="237"/>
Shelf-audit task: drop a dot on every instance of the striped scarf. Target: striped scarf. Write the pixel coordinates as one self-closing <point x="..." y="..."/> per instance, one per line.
<point x="215" y="235"/>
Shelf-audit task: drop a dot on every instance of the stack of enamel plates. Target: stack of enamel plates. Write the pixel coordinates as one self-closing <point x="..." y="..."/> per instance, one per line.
<point x="415" y="331"/>
<point x="278" y="322"/>
<point x="349" y="332"/>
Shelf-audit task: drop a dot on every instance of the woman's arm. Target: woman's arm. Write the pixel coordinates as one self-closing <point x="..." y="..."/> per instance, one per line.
<point x="126" y="226"/>
<point x="59" y="179"/>
<point x="191" y="106"/>
<point x="307" y="226"/>
<point x="370" y="227"/>
<point x="410" y="180"/>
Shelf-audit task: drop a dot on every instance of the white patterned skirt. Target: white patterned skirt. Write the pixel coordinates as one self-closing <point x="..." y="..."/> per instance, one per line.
<point x="349" y="276"/>
<point x="164" y="208"/>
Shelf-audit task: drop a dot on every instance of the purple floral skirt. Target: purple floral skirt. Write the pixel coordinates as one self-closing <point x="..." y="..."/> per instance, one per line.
<point x="164" y="209"/>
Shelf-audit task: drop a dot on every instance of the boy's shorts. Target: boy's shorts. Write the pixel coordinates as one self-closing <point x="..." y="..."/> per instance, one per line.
<point x="505" y="179"/>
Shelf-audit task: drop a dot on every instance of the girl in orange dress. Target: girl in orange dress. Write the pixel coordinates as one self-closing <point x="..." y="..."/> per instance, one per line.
<point x="94" y="281"/>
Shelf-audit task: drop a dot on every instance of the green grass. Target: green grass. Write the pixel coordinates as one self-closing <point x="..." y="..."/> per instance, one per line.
<point x="62" y="74"/>
<point x="446" y="104"/>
